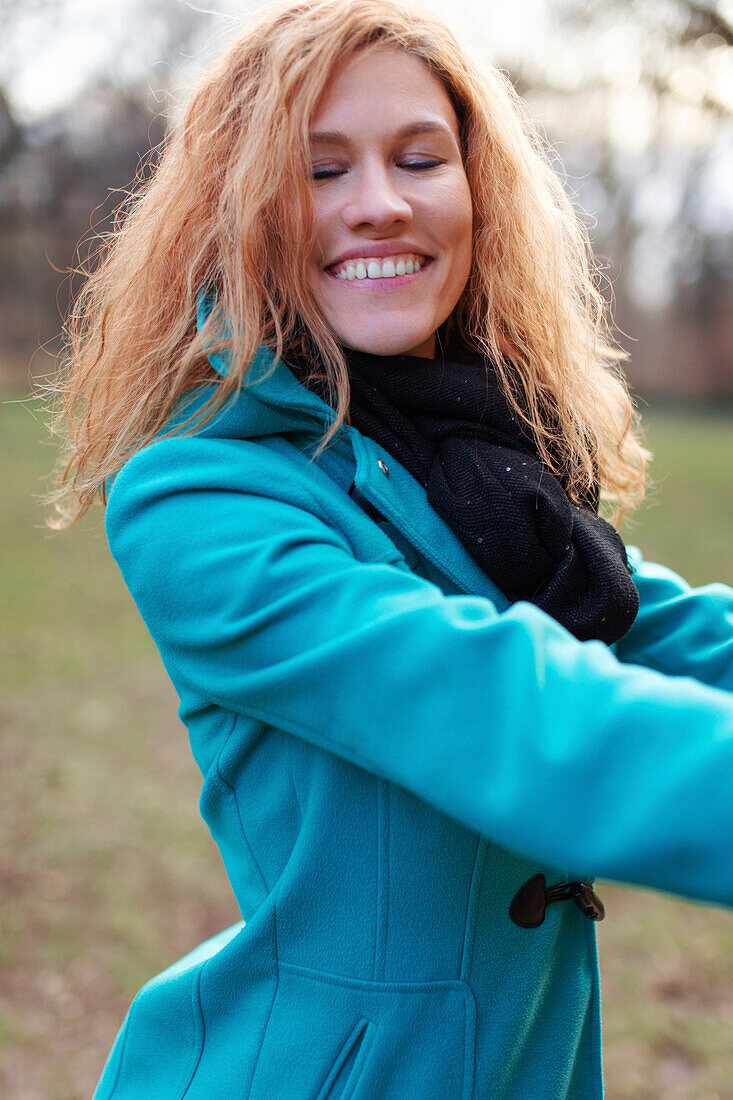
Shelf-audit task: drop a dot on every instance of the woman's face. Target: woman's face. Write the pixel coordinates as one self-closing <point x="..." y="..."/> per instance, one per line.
<point x="384" y="198"/>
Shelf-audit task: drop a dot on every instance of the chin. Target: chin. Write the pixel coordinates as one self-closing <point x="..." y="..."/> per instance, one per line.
<point x="389" y="342"/>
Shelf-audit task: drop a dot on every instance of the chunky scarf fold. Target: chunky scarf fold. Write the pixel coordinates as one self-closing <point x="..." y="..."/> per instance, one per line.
<point x="448" y="422"/>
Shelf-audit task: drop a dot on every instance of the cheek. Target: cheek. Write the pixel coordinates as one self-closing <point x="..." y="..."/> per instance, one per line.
<point x="455" y="216"/>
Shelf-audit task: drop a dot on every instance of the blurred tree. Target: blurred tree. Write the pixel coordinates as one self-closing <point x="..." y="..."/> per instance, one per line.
<point x="637" y="95"/>
<point x="9" y="130"/>
<point x="66" y="170"/>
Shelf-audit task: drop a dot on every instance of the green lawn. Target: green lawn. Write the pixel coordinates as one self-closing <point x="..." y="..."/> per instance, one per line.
<point x="107" y="873"/>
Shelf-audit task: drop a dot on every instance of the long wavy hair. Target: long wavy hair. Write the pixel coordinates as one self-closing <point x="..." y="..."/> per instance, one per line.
<point x="227" y="202"/>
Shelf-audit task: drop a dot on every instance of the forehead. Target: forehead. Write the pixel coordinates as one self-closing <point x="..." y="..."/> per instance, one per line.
<point x="378" y="87"/>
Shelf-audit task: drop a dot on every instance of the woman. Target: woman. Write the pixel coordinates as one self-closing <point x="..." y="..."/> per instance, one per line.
<point x="430" y="695"/>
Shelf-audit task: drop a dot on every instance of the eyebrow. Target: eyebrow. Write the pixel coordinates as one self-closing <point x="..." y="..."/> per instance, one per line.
<point x="336" y="137"/>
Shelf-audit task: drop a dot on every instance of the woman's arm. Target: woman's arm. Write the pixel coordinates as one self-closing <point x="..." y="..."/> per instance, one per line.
<point x="680" y="630"/>
<point x="503" y="720"/>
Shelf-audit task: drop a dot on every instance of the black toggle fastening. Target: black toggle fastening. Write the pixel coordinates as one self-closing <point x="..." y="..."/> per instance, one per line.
<point x="529" y="904"/>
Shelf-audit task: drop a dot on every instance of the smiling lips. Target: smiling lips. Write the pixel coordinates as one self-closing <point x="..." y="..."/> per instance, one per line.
<point x="379" y="274"/>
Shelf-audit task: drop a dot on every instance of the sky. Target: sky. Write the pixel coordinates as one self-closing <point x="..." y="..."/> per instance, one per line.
<point x="52" y="58"/>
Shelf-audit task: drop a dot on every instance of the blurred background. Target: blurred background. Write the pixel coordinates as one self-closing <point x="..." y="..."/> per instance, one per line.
<point x="107" y="874"/>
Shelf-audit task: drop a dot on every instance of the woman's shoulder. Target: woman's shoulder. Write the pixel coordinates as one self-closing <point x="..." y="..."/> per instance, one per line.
<point x="196" y="462"/>
<point x="205" y="476"/>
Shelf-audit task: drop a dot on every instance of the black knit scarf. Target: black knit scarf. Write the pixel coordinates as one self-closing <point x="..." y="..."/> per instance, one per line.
<point x="446" y="420"/>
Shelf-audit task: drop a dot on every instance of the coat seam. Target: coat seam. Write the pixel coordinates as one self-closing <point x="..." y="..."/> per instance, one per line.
<point x="469" y="1031"/>
<point x="292" y="780"/>
<point x="197" y="1012"/>
<point x="385" y="880"/>
<point x="232" y="794"/>
<point x="197" y="1055"/>
<point x="258" y="1055"/>
<point x="474" y="893"/>
<point x="382" y="913"/>
<point x="386" y="986"/>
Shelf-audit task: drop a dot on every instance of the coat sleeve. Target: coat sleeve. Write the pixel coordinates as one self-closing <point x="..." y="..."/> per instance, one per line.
<point x="502" y="719"/>
<point x="680" y="630"/>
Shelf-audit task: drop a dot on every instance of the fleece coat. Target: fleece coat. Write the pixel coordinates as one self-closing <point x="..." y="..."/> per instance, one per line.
<point x="389" y="750"/>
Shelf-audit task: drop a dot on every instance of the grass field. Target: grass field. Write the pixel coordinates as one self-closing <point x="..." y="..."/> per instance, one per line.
<point x="107" y="873"/>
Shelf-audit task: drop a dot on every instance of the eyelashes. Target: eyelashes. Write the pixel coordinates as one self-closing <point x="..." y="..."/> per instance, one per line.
<point x="416" y="166"/>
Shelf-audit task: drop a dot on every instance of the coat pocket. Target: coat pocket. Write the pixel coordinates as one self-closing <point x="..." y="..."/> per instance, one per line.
<point x="335" y="1038"/>
<point x="346" y="1070"/>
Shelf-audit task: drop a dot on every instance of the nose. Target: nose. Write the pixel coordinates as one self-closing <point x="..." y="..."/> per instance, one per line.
<point x="375" y="198"/>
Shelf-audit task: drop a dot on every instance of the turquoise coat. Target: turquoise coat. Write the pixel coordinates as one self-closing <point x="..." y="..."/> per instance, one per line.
<point x="389" y="751"/>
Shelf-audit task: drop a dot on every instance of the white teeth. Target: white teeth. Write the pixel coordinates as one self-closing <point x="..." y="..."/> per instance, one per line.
<point x="374" y="269"/>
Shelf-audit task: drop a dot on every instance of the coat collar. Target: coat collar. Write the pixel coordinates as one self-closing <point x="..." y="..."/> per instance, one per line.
<point x="274" y="402"/>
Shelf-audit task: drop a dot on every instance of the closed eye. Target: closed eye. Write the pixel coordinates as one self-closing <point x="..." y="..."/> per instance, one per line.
<point x="419" y="164"/>
<point x="413" y="166"/>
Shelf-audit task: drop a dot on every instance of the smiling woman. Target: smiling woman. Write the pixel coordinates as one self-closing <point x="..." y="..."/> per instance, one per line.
<point x="391" y="189"/>
<point x="346" y="384"/>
